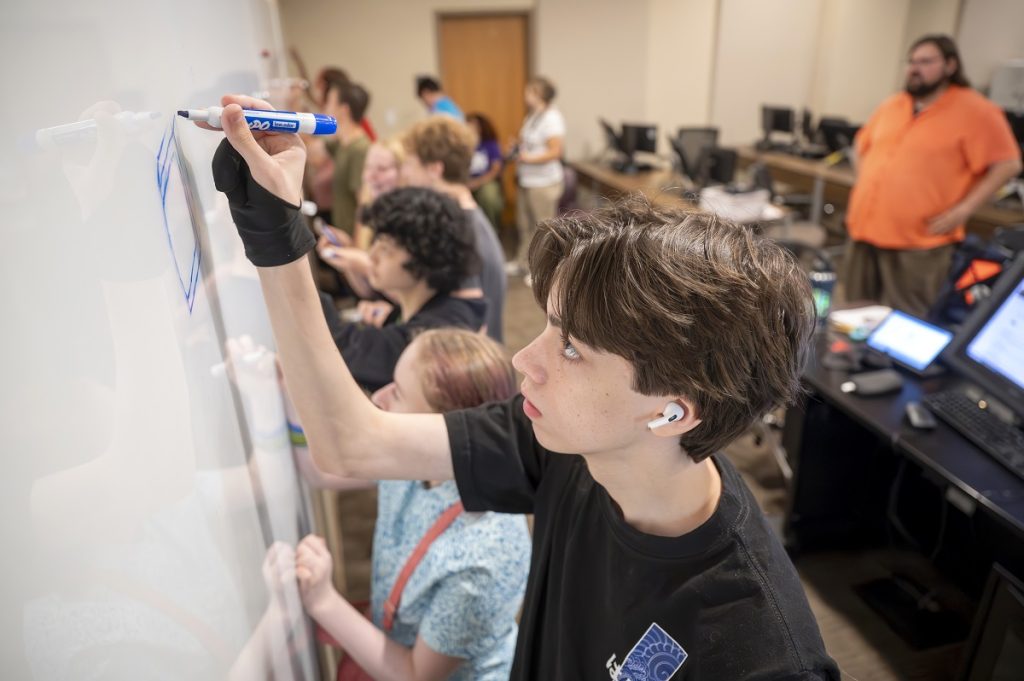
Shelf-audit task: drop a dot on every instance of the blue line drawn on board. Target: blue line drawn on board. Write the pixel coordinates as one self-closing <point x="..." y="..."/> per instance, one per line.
<point x="166" y="171"/>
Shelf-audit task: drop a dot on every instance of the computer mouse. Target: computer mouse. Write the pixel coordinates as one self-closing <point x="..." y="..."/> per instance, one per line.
<point x="919" y="416"/>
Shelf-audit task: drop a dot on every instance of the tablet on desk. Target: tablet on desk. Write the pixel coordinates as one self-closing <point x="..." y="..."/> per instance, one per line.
<point x="909" y="341"/>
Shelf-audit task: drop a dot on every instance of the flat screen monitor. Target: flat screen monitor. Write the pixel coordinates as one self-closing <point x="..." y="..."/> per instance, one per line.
<point x="988" y="348"/>
<point x="908" y="340"/>
<point x="777" y="119"/>
<point x="1016" y="121"/>
<point x="838" y="133"/>
<point x="1006" y="88"/>
<point x="611" y="137"/>
<point x="995" y="650"/>
<point x="807" y="124"/>
<point x="639" y="138"/>
<point x="721" y="165"/>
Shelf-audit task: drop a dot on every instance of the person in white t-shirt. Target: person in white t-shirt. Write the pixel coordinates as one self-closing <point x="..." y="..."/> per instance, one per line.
<point x="541" y="182"/>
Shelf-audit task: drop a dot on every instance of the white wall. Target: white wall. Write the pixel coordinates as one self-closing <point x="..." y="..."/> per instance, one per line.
<point x="766" y="54"/>
<point x="595" y="50"/>
<point x="680" y="63"/>
<point x="646" y="61"/>
<point x="382" y="44"/>
<point x="860" y="56"/>
<point x="931" y="16"/>
<point x="991" y="32"/>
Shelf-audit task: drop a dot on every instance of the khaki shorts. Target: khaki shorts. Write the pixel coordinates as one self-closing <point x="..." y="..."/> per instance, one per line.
<point x="905" y="280"/>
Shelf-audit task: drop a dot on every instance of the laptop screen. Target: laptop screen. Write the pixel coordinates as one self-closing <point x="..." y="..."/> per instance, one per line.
<point x="998" y="344"/>
<point x="908" y="340"/>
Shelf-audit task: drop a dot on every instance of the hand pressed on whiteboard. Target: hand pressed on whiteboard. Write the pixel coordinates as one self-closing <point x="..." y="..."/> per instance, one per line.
<point x="278" y="571"/>
<point x="313" y="567"/>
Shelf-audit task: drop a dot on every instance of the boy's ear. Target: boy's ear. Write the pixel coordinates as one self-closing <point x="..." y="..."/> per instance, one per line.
<point x="435" y="169"/>
<point x="684" y="424"/>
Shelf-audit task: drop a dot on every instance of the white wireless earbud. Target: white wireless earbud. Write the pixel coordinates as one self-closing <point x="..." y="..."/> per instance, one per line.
<point x="673" y="412"/>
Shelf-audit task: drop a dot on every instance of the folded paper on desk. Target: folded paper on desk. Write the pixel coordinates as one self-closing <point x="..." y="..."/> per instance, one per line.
<point x="858" y="318"/>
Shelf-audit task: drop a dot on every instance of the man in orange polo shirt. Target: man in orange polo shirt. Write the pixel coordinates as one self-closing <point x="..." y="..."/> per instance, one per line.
<point x="926" y="160"/>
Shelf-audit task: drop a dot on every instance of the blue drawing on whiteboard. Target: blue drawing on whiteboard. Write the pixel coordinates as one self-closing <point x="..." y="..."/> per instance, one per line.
<point x="655" y="657"/>
<point x="181" y="234"/>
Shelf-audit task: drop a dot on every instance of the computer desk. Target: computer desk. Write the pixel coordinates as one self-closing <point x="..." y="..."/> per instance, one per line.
<point x="661" y="187"/>
<point x="844" y="449"/>
<point x="832" y="184"/>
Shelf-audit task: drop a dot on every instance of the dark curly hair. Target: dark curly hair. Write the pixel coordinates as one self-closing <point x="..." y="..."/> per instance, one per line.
<point x="433" y="229"/>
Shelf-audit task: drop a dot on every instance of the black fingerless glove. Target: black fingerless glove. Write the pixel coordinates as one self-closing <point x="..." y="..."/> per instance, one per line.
<point x="273" y="231"/>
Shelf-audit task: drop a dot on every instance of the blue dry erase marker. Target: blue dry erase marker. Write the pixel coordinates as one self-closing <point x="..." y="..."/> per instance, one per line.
<point x="330" y="237"/>
<point x="270" y="121"/>
<point x="320" y="228"/>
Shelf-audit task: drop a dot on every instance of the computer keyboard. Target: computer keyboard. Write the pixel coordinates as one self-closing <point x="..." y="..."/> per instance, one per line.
<point x="630" y="168"/>
<point x="992" y="435"/>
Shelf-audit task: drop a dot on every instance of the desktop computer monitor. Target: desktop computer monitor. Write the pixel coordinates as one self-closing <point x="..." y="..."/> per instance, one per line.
<point x="611" y="138"/>
<point x="1016" y="121"/>
<point x="995" y="649"/>
<point x="987" y="349"/>
<point x="837" y="133"/>
<point x="776" y="119"/>
<point x="639" y="138"/>
<point x="807" y="125"/>
<point x="721" y="165"/>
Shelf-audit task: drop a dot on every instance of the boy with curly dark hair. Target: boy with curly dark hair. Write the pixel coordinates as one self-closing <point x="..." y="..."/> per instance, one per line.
<point x="421" y="251"/>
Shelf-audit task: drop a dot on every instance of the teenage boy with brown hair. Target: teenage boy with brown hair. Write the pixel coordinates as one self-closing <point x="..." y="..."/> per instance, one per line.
<point x="438" y="153"/>
<point x="668" y="334"/>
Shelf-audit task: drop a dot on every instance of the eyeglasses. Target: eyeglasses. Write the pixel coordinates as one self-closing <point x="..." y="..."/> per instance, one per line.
<point x="925" y="61"/>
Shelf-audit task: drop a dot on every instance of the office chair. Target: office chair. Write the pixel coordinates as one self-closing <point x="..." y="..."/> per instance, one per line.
<point x="767" y="431"/>
<point x="800" y="230"/>
<point x="691" y="146"/>
<point x="1010" y="238"/>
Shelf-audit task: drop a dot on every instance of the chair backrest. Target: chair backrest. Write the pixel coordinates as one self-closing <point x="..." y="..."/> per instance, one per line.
<point x="1010" y="237"/>
<point x="973" y="272"/>
<point x="721" y="165"/>
<point x="692" y="145"/>
<point x="567" y="201"/>
<point x="761" y="177"/>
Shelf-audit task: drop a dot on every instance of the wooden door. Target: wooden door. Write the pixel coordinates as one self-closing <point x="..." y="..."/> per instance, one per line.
<point x="483" y="59"/>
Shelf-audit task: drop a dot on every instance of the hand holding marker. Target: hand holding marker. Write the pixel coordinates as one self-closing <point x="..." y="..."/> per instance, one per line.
<point x="322" y="229"/>
<point x="269" y="121"/>
<point x="330" y="252"/>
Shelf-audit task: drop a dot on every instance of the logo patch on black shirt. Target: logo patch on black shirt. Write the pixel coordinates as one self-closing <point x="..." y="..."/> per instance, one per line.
<point x="655" y="657"/>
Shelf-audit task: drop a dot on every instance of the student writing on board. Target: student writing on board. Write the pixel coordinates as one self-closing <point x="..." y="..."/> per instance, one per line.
<point x="646" y="539"/>
<point x="456" y="613"/>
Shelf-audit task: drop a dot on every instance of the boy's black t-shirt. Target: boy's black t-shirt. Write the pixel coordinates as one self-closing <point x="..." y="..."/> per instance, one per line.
<point x="721" y="602"/>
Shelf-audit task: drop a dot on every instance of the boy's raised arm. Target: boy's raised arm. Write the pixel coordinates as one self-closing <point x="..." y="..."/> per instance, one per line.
<point x="347" y="434"/>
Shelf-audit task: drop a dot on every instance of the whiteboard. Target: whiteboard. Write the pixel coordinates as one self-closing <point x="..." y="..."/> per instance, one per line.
<point x="142" y="487"/>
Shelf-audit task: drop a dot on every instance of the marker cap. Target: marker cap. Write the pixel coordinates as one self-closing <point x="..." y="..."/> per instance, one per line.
<point x="325" y="125"/>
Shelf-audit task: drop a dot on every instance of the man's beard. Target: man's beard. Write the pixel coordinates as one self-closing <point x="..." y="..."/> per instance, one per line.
<point x="923" y="89"/>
